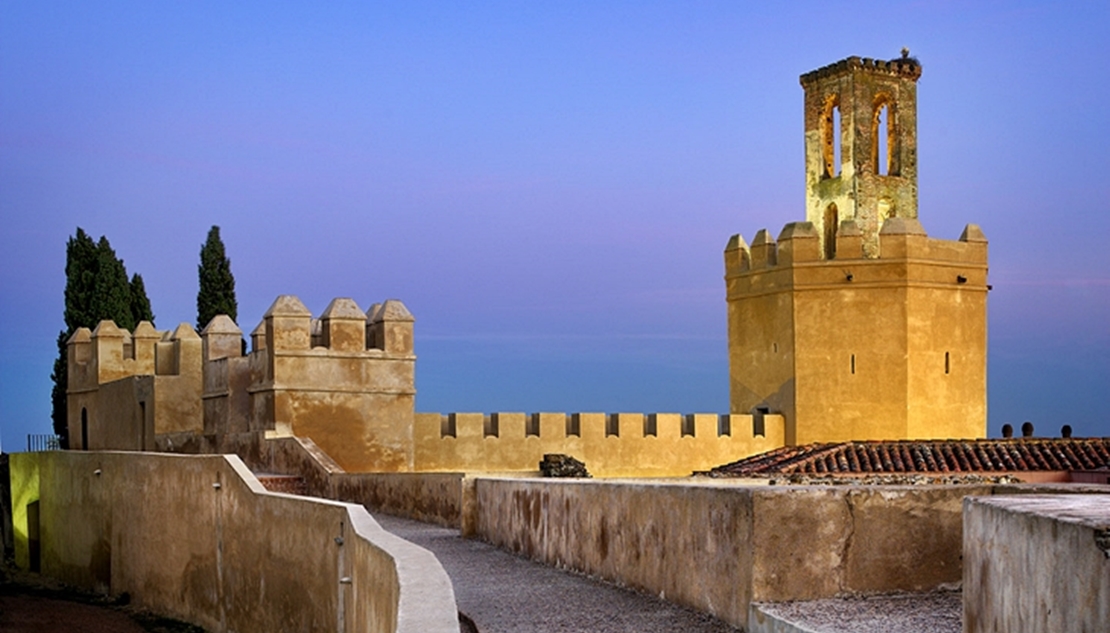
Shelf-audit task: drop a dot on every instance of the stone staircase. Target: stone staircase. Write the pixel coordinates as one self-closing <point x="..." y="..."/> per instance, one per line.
<point x="289" y="484"/>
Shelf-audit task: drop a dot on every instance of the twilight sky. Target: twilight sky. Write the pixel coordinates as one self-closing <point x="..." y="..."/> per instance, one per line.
<point x="548" y="186"/>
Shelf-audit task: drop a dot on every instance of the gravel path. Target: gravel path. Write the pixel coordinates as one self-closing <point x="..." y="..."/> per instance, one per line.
<point x="934" y="612"/>
<point x="504" y="593"/>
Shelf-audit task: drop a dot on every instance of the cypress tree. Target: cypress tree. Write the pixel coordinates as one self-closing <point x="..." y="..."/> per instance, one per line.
<point x="217" y="286"/>
<point x="96" y="289"/>
<point x="112" y="294"/>
<point x="140" y="303"/>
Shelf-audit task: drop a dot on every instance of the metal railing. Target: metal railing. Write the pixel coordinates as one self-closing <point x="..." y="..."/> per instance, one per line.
<point x="43" y="442"/>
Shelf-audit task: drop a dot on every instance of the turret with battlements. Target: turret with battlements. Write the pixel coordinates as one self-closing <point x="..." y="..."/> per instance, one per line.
<point x="855" y="324"/>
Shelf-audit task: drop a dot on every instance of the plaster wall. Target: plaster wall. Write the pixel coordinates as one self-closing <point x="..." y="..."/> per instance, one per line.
<point x="442" y="498"/>
<point x="198" y="538"/>
<point x="1037" y="563"/>
<point x="613" y="445"/>
<point x="718" y="547"/>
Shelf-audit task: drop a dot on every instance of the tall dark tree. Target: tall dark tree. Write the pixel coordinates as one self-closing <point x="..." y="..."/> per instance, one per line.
<point x="140" y="303"/>
<point x="96" y="289"/>
<point x="217" y="286"/>
<point x="112" y="296"/>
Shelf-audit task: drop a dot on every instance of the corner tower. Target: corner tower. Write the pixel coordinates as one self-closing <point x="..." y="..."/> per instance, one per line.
<point x="861" y="146"/>
<point x="855" y="324"/>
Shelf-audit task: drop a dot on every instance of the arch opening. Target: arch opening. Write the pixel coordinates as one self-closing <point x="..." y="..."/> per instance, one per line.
<point x="884" y="141"/>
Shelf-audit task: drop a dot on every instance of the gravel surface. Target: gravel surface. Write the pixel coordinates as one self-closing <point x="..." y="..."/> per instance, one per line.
<point x="504" y="593"/>
<point x="934" y="612"/>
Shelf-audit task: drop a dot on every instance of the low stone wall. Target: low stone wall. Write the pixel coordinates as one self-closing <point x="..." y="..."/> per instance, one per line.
<point x="198" y="538"/>
<point x="718" y="547"/>
<point x="1037" y="563"/>
<point x="431" y="497"/>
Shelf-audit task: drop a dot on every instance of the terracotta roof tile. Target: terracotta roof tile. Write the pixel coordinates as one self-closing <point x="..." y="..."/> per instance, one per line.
<point x="927" y="456"/>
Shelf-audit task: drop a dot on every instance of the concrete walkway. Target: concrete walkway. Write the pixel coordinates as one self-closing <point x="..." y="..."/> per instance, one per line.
<point x="504" y="593"/>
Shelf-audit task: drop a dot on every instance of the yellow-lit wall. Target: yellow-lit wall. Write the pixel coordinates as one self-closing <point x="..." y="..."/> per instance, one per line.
<point x="869" y="336"/>
<point x="611" y="446"/>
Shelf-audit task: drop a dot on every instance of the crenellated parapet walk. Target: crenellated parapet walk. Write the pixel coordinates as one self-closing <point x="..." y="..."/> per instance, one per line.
<point x="611" y="444"/>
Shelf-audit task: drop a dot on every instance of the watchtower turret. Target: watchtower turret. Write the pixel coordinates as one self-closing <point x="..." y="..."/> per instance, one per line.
<point x="861" y="146"/>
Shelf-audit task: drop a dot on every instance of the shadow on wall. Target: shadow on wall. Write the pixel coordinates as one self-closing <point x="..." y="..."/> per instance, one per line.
<point x="196" y="537"/>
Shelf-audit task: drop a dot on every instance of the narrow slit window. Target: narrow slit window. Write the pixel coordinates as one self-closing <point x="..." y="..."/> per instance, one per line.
<point x="852" y="364"/>
<point x="947" y="363"/>
<point x="830" y="136"/>
<point x="882" y="157"/>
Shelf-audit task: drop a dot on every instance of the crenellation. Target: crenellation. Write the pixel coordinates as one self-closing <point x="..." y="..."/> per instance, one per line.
<point x="288" y="325"/>
<point x="797" y="243"/>
<point x="763" y="250"/>
<point x="849" y="241"/>
<point x="221" y="338"/>
<point x="611" y="444"/>
<point x="343" y="326"/>
<point x="392" y="326"/>
<point x="144" y="341"/>
<point x="738" y="257"/>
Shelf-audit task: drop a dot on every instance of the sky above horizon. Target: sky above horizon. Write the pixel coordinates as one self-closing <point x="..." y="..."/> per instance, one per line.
<point x="547" y="186"/>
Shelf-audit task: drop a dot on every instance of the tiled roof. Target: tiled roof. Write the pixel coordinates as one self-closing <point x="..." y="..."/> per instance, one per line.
<point x="927" y="456"/>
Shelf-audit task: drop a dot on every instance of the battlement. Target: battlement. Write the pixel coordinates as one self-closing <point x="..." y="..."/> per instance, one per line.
<point x="904" y="67"/>
<point x="110" y="353"/>
<point x="383" y="329"/>
<point x="611" y="444"/>
<point x="902" y="241"/>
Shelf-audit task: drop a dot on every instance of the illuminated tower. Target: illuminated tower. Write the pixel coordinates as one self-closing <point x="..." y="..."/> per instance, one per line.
<point x="855" y="324"/>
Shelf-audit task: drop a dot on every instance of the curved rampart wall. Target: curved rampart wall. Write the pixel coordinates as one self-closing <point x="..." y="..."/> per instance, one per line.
<point x="198" y="538"/>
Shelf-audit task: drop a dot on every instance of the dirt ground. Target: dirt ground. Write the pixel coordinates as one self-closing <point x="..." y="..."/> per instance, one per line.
<point x="32" y="604"/>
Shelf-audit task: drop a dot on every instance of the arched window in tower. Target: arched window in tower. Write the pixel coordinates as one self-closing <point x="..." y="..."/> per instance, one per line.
<point x="832" y="222"/>
<point x="830" y="136"/>
<point x="883" y="141"/>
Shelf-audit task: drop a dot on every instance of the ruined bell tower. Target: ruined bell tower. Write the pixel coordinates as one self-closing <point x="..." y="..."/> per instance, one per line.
<point x="855" y="324"/>
<point x="861" y="146"/>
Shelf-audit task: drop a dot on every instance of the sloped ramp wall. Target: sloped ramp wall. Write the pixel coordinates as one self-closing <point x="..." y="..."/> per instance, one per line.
<point x="198" y="538"/>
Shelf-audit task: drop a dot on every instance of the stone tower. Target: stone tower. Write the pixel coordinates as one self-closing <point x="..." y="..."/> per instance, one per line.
<point x="855" y="324"/>
<point x="861" y="146"/>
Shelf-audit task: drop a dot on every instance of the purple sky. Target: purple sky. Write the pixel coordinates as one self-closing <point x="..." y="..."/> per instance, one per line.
<point x="547" y="186"/>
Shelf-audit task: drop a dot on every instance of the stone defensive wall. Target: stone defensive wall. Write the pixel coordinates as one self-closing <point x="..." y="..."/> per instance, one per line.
<point x="1040" y="563"/>
<point x="719" y="547"/>
<point x="611" y="445"/>
<point x="199" y="539"/>
<point x="795" y="258"/>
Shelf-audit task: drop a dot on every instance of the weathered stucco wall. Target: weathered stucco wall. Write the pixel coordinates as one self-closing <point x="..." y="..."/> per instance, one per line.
<point x="198" y="538"/>
<point x="718" y="547"/>
<point x="1037" y="563"/>
<point x="439" y="498"/>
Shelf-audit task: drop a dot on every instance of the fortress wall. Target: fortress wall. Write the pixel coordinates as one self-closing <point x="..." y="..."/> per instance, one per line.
<point x="431" y="497"/>
<point x="1039" y="563"/>
<point x="717" y="547"/>
<point x="611" y="445"/>
<point x="198" y="538"/>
